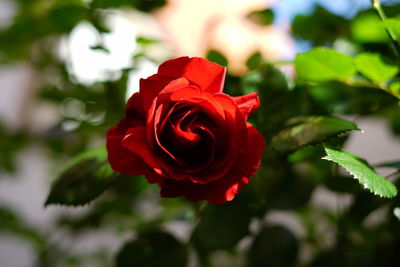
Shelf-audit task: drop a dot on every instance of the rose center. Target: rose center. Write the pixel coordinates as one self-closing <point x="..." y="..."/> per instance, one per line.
<point x="187" y="138"/>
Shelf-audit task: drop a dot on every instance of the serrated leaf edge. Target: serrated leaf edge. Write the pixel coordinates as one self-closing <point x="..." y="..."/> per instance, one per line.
<point x="358" y="179"/>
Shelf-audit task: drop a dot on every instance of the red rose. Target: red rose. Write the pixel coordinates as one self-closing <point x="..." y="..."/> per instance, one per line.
<point x="187" y="136"/>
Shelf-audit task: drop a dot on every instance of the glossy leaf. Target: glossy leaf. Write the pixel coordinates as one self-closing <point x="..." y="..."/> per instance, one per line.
<point x="83" y="179"/>
<point x="362" y="172"/>
<point x="310" y="130"/>
<point x="322" y="64"/>
<point x="374" y="67"/>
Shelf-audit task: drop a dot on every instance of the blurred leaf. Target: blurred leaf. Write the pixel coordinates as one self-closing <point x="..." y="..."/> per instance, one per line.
<point x="322" y="64"/>
<point x="392" y="164"/>
<point x="374" y="67"/>
<point x="310" y="130"/>
<point x="83" y="179"/>
<point x="221" y="226"/>
<point x="320" y="27"/>
<point x="10" y="222"/>
<point x="362" y="172"/>
<point x="11" y="143"/>
<point x="254" y="61"/>
<point x="341" y="98"/>
<point x="274" y="246"/>
<point x="155" y="249"/>
<point x="367" y="28"/>
<point x="285" y="189"/>
<point x="217" y="57"/>
<point x="143" y="5"/>
<point x="100" y="47"/>
<point x="143" y="41"/>
<point x="272" y="87"/>
<point x="262" y="17"/>
<point x="394" y="89"/>
<point x="393" y="25"/>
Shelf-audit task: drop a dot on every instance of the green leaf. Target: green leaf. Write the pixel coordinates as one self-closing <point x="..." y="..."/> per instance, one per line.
<point x="368" y="28"/>
<point x="254" y="61"/>
<point x="322" y="64"/>
<point x="374" y="67"/>
<point x="320" y="27"/>
<point x="221" y="227"/>
<point x="394" y="89"/>
<point x="309" y="131"/>
<point x="217" y="57"/>
<point x="273" y="246"/>
<point x="143" y="41"/>
<point x="261" y="17"/>
<point x="393" y="25"/>
<point x="155" y="249"/>
<point x="362" y="172"/>
<point x="392" y="164"/>
<point x="83" y="179"/>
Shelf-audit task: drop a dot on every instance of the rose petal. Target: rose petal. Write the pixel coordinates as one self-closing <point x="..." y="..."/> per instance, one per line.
<point x="224" y="189"/>
<point x="217" y="192"/>
<point x="135" y="141"/>
<point x="121" y="159"/>
<point x="247" y="104"/>
<point x="250" y="157"/>
<point x="150" y="88"/>
<point x="134" y="109"/>
<point x="209" y="76"/>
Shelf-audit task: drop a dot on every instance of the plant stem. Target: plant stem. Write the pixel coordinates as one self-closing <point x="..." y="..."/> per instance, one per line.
<point x="376" y="4"/>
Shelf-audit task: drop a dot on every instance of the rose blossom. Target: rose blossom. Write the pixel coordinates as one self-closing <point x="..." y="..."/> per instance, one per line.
<point x="184" y="134"/>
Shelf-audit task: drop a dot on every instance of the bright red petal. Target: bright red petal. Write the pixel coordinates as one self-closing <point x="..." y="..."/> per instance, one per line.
<point x="150" y="88"/>
<point x="247" y="104"/>
<point x="136" y="142"/>
<point x="250" y="157"/>
<point x="207" y="75"/>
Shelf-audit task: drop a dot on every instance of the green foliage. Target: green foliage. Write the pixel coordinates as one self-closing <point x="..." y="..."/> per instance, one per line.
<point x="10" y="144"/>
<point x="362" y="172"/>
<point x="321" y="27"/>
<point x="156" y="249"/>
<point x="84" y="178"/>
<point x="393" y="25"/>
<point x="261" y="17"/>
<point x="143" y="5"/>
<point x="293" y="186"/>
<point x="367" y="28"/>
<point x="221" y="227"/>
<point x="217" y="57"/>
<point x="321" y="64"/>
<point x="375" y="68"/>
<point x="308" y="131"/>
<point x="254" y="61"/>
<point x="275" y="245"/>
<point x="392" y="164"/>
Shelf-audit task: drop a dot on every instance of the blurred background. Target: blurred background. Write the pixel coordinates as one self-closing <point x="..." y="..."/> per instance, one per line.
<point x="67" y="68"/>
